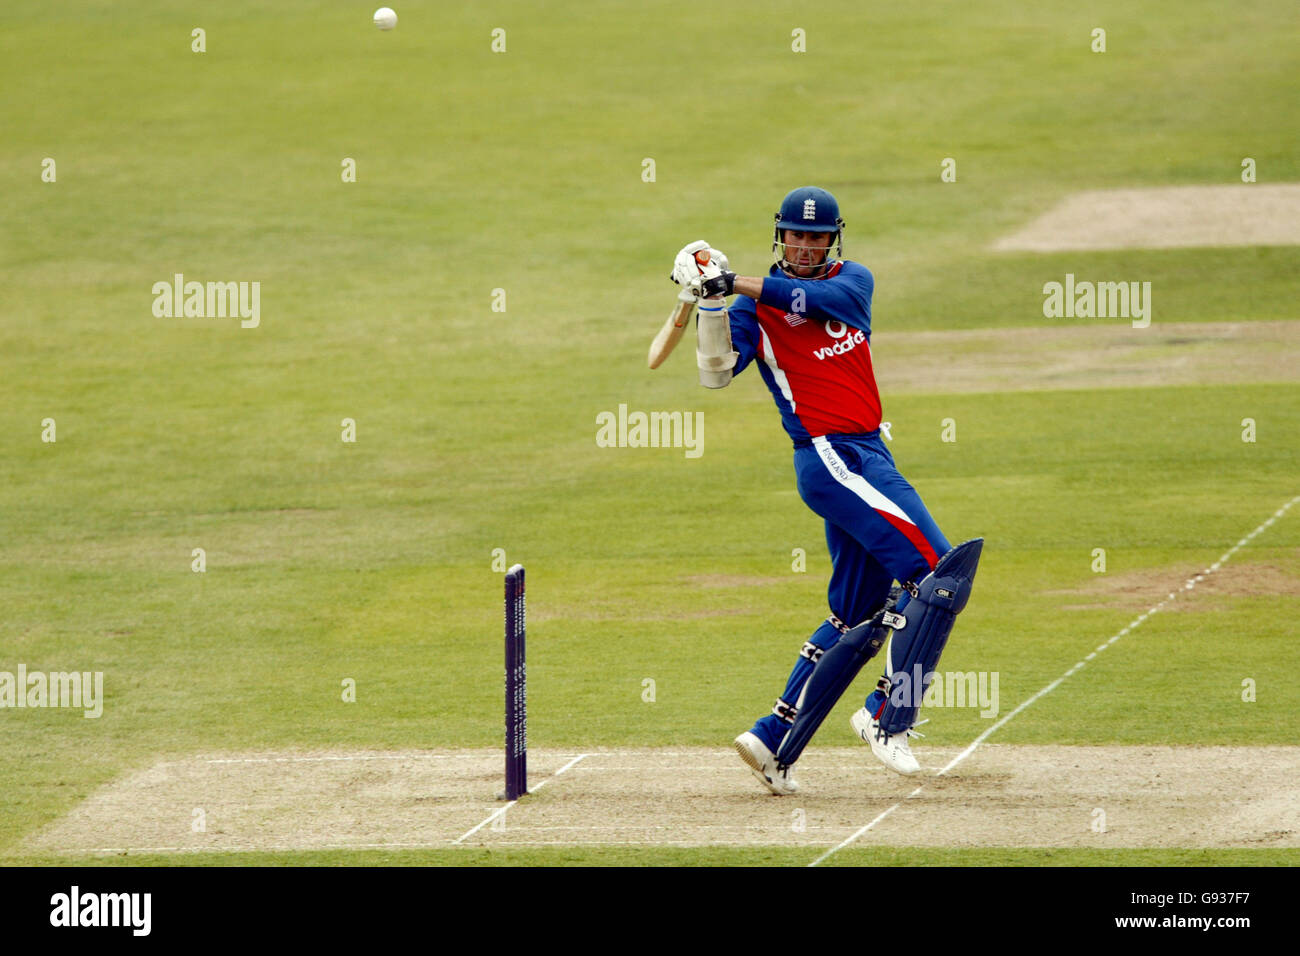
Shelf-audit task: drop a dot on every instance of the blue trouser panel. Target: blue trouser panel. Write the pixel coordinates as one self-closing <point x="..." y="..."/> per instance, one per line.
<point x="859" y="583"/>
<point x="853" y="484"/>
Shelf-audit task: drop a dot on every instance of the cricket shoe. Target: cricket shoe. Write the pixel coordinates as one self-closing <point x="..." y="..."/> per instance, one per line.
<point x="891" y="749"/>
<point x="758" y="758"/>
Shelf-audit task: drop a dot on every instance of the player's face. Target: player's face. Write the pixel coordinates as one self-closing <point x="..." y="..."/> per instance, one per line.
<point x="805" y="251"/>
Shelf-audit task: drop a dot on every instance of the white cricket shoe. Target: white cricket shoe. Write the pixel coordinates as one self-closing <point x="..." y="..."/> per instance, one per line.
<point x="891" y="749"/>
<point x="761" y="760"/>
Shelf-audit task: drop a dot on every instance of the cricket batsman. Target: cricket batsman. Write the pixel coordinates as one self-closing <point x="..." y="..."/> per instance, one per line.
<point x="807" y="325"/>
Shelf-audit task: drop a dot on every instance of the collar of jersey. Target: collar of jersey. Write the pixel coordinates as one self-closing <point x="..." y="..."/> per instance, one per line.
<point x="776" y="270"/>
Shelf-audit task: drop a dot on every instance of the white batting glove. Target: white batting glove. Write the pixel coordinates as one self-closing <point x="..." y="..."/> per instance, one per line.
<point x="690" y="275"/>
<point x="685" y="267"/>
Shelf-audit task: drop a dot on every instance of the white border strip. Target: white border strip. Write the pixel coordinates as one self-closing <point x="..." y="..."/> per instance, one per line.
<point x="778" y="374"/>
<point x="1132" y="625"/>
<point x="856" y="483"/>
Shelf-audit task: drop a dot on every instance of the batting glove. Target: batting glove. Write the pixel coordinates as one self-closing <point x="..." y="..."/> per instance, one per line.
<point x="719" y="285"/>
<point x="685" y="268"/>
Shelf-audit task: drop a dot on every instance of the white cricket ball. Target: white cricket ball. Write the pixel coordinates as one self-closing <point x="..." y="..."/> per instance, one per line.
<point x="385" y="18"/>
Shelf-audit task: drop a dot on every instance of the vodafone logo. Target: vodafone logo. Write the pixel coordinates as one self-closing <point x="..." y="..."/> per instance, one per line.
<point x="846" y="339"/>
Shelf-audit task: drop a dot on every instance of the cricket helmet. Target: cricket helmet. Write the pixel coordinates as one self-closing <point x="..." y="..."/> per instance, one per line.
<point x="809" y="209"/>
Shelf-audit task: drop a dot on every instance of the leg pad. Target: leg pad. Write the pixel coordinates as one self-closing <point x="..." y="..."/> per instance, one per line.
<point x="831" y="678"/>
<point x="923" y="632"/>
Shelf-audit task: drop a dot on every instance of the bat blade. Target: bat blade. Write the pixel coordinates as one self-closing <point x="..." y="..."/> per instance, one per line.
<point x="671" y="333"/>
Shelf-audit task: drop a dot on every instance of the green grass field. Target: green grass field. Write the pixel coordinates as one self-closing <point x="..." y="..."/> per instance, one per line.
<point x="522" y="171"/>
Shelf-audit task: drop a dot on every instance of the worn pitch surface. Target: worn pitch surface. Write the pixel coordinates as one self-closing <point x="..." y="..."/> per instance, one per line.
<point x="1165" y="217"/>
<point x="1000" y="796"/>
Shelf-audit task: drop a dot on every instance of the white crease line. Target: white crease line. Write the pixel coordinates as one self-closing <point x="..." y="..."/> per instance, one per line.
<point x="345" y="757"/>
<point x="1191" y="583"/>
<point x="478" y="755"/>
<point x="438" y="845"/>
<point x="729" y="767"/>
<point x="500" y="811"/>
<point x="687" y="844"/>
<point x="253" y="848"/>
<point x="699" y="753"/>
<point x="864" y="829"/>
<point x="776" y="827"/>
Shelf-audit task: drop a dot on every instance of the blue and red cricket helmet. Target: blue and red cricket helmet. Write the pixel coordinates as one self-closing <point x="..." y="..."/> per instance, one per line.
<point x="809" y="209"/>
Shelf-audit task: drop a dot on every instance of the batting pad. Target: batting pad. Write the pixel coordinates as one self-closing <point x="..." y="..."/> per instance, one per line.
<point x="920" y="639"/>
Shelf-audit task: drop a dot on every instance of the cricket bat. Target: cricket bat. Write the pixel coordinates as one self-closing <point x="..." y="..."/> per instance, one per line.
<point x="680" y="319"/>
<point x="671" y="333"/>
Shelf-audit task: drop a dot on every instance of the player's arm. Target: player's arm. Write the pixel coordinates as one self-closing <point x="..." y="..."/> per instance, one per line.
<point x="703" y="274"/>
<point x="714" y="353"/>
<point x="728" y="345"/>
<point x="845" y="297"/>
